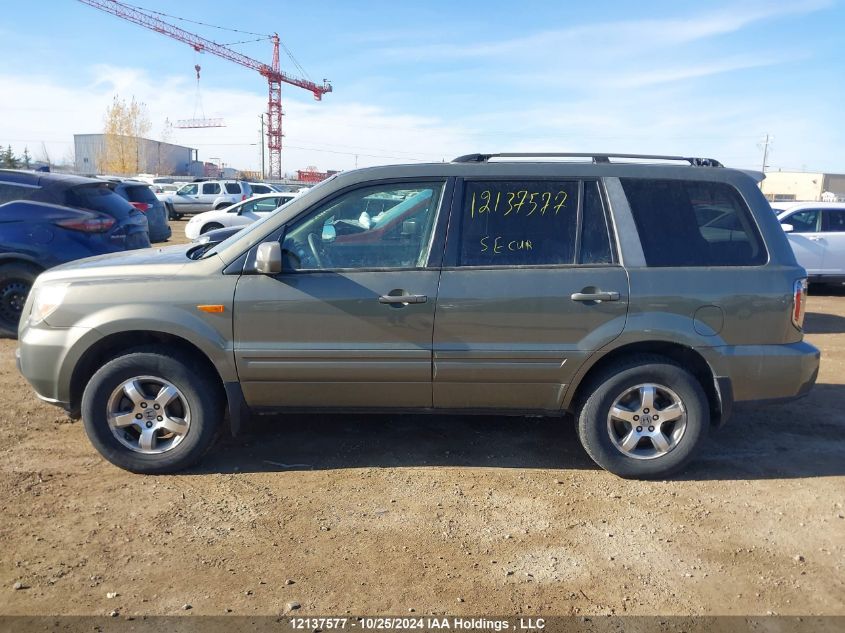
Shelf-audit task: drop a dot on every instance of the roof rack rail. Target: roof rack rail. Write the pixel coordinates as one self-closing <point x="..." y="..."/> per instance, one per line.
<point x="596" y="158"/>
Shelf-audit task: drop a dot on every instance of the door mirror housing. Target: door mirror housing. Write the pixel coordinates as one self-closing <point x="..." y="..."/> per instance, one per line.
<point x="268" y="258"/>
<point x="787" y="228"/>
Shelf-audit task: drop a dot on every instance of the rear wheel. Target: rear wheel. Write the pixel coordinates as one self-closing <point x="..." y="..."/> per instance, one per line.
<point x="644" y="419"/>
<point x="152" y="411"/>
<point x="16" y="280"/>
<point x="211" y="226"/>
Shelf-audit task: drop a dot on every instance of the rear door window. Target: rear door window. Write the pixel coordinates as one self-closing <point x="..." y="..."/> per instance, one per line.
<point x="693" y="223"/>
<point x="835" y="221"/>
<point x="210" y="188"/>
<point x="518" y="223"/>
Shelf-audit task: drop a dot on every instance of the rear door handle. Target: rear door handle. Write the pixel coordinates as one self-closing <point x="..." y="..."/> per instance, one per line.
<point x="404" y="299"/>
<point x="595" y="296"/>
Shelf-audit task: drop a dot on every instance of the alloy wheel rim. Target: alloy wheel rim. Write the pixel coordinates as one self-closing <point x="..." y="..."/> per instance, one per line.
<point x="647" y="421"/>
<point x="148" y="415"/>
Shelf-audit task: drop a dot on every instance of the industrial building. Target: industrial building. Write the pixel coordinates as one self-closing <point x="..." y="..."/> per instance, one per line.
<point x="782" y="186"/>
<point x="154" y="157"/>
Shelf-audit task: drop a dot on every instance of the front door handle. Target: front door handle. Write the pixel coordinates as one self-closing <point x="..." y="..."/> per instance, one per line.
<point x="816" y="238"/>
<point x="599" y="295"/>
<point x="402" y="299"/>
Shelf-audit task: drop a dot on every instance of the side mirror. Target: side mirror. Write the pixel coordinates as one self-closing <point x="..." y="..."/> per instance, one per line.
<point x="329" y="233"/>
<point x="268" y="258"/>
<point x="787" y="228"/>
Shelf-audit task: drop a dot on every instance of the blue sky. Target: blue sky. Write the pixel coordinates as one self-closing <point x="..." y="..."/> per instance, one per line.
<point x="428" y="81"/>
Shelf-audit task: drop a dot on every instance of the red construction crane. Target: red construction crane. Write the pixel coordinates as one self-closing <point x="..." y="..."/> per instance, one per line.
<point x="275" y="77"/>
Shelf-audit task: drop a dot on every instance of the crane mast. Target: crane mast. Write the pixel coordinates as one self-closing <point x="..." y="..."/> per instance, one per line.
<point x="271" y="72"/>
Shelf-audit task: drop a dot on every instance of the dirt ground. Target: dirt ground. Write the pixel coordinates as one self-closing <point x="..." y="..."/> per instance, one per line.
<point x="439" y="515"/>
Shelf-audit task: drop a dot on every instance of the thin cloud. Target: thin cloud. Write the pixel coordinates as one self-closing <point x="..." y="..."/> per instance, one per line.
<point x="631" y="36"/>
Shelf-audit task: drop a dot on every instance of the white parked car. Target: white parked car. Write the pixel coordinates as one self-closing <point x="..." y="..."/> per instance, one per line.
<point x="816" y="231"/>
<point x="240" y="214"/>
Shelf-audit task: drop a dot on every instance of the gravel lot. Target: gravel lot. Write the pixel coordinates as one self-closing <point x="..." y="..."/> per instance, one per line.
<point x="455" y="515"/>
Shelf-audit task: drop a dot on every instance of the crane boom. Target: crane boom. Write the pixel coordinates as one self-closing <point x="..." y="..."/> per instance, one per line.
<point x="272" y="72"/>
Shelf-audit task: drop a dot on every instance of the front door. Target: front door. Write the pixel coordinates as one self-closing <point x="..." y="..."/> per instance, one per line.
<point x="348" y="323"/>
<point x="531" y="289"/>
<point x="187" y="198"/>
<point x="806" y="239"/>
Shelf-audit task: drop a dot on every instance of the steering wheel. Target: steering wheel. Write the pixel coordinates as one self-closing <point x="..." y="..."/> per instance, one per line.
<point x="315" y="250"/>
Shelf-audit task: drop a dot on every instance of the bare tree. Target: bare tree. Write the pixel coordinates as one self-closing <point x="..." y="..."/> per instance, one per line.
<point x="125" y="124"/>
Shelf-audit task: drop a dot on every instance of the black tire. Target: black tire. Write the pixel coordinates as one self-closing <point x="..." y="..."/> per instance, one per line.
<point x="171" y="213"/>
<point x="593" y="417"/>
<point x="211" y="226"/>
<point x="199" y="387"/>
<point x="16" y="280"/>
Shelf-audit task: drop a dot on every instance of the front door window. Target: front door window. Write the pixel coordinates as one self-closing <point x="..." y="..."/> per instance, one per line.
<point x="378" y="227"/>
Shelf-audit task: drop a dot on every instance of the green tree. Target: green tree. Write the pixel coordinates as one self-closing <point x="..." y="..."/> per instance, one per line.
<point x="8" y="158"/>
<point x="26" y="158"/>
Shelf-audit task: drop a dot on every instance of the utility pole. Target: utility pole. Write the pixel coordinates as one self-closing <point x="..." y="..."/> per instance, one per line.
<point x="261" y="146"/>
<point x="766" y="142"/>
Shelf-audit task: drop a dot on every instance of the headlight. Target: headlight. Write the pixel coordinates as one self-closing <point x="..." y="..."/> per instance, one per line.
<point x="47" y="298"/>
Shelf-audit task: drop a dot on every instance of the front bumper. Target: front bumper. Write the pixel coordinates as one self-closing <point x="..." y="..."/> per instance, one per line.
<point x="766" y="372"/>
<point x="43" y="359"/>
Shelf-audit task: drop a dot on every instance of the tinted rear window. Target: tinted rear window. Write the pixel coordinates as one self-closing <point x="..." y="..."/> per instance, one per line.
<point x="140" y="193"/>
<point x="98" y="198"/>
<point x="691" y="223"/>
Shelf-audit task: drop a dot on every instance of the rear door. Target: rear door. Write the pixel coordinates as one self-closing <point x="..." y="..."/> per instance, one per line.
<point x="209" y="192"/>
<point x="530" y="288"/>
<point x="833" y="230"/>
<point x="807" y="240"/>
<point x="348" y="322"/>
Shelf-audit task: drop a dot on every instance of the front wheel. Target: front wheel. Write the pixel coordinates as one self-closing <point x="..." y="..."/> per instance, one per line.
<point x="645" y="419"/>
<point x="152" y="411"/>
<point x="211" y="226"/>
<point x="172" y="214"/>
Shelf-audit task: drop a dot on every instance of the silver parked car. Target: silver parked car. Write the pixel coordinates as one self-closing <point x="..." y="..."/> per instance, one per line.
<point x="197" y="197"/>
<point x="490" y="284"/>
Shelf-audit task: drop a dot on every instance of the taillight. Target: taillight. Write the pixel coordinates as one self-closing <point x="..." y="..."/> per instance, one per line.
<point x="799" y="302"/>
<point x="243" y="197"/>
<point x="141" y="206"/>
<point x="98" y="224"/>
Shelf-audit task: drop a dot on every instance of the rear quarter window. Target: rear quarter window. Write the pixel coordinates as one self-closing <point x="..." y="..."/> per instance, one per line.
<point x="233" y="187"/>
<point x="692" y="223"/>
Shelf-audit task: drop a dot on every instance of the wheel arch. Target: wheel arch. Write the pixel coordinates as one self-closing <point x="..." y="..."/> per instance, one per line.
<point x="119" y="343"/>
<point x="20" y="258"/>
<point x="718" y="390"/>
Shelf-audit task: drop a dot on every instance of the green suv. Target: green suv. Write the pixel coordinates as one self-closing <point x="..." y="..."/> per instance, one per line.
<point x="644" y="295"/>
